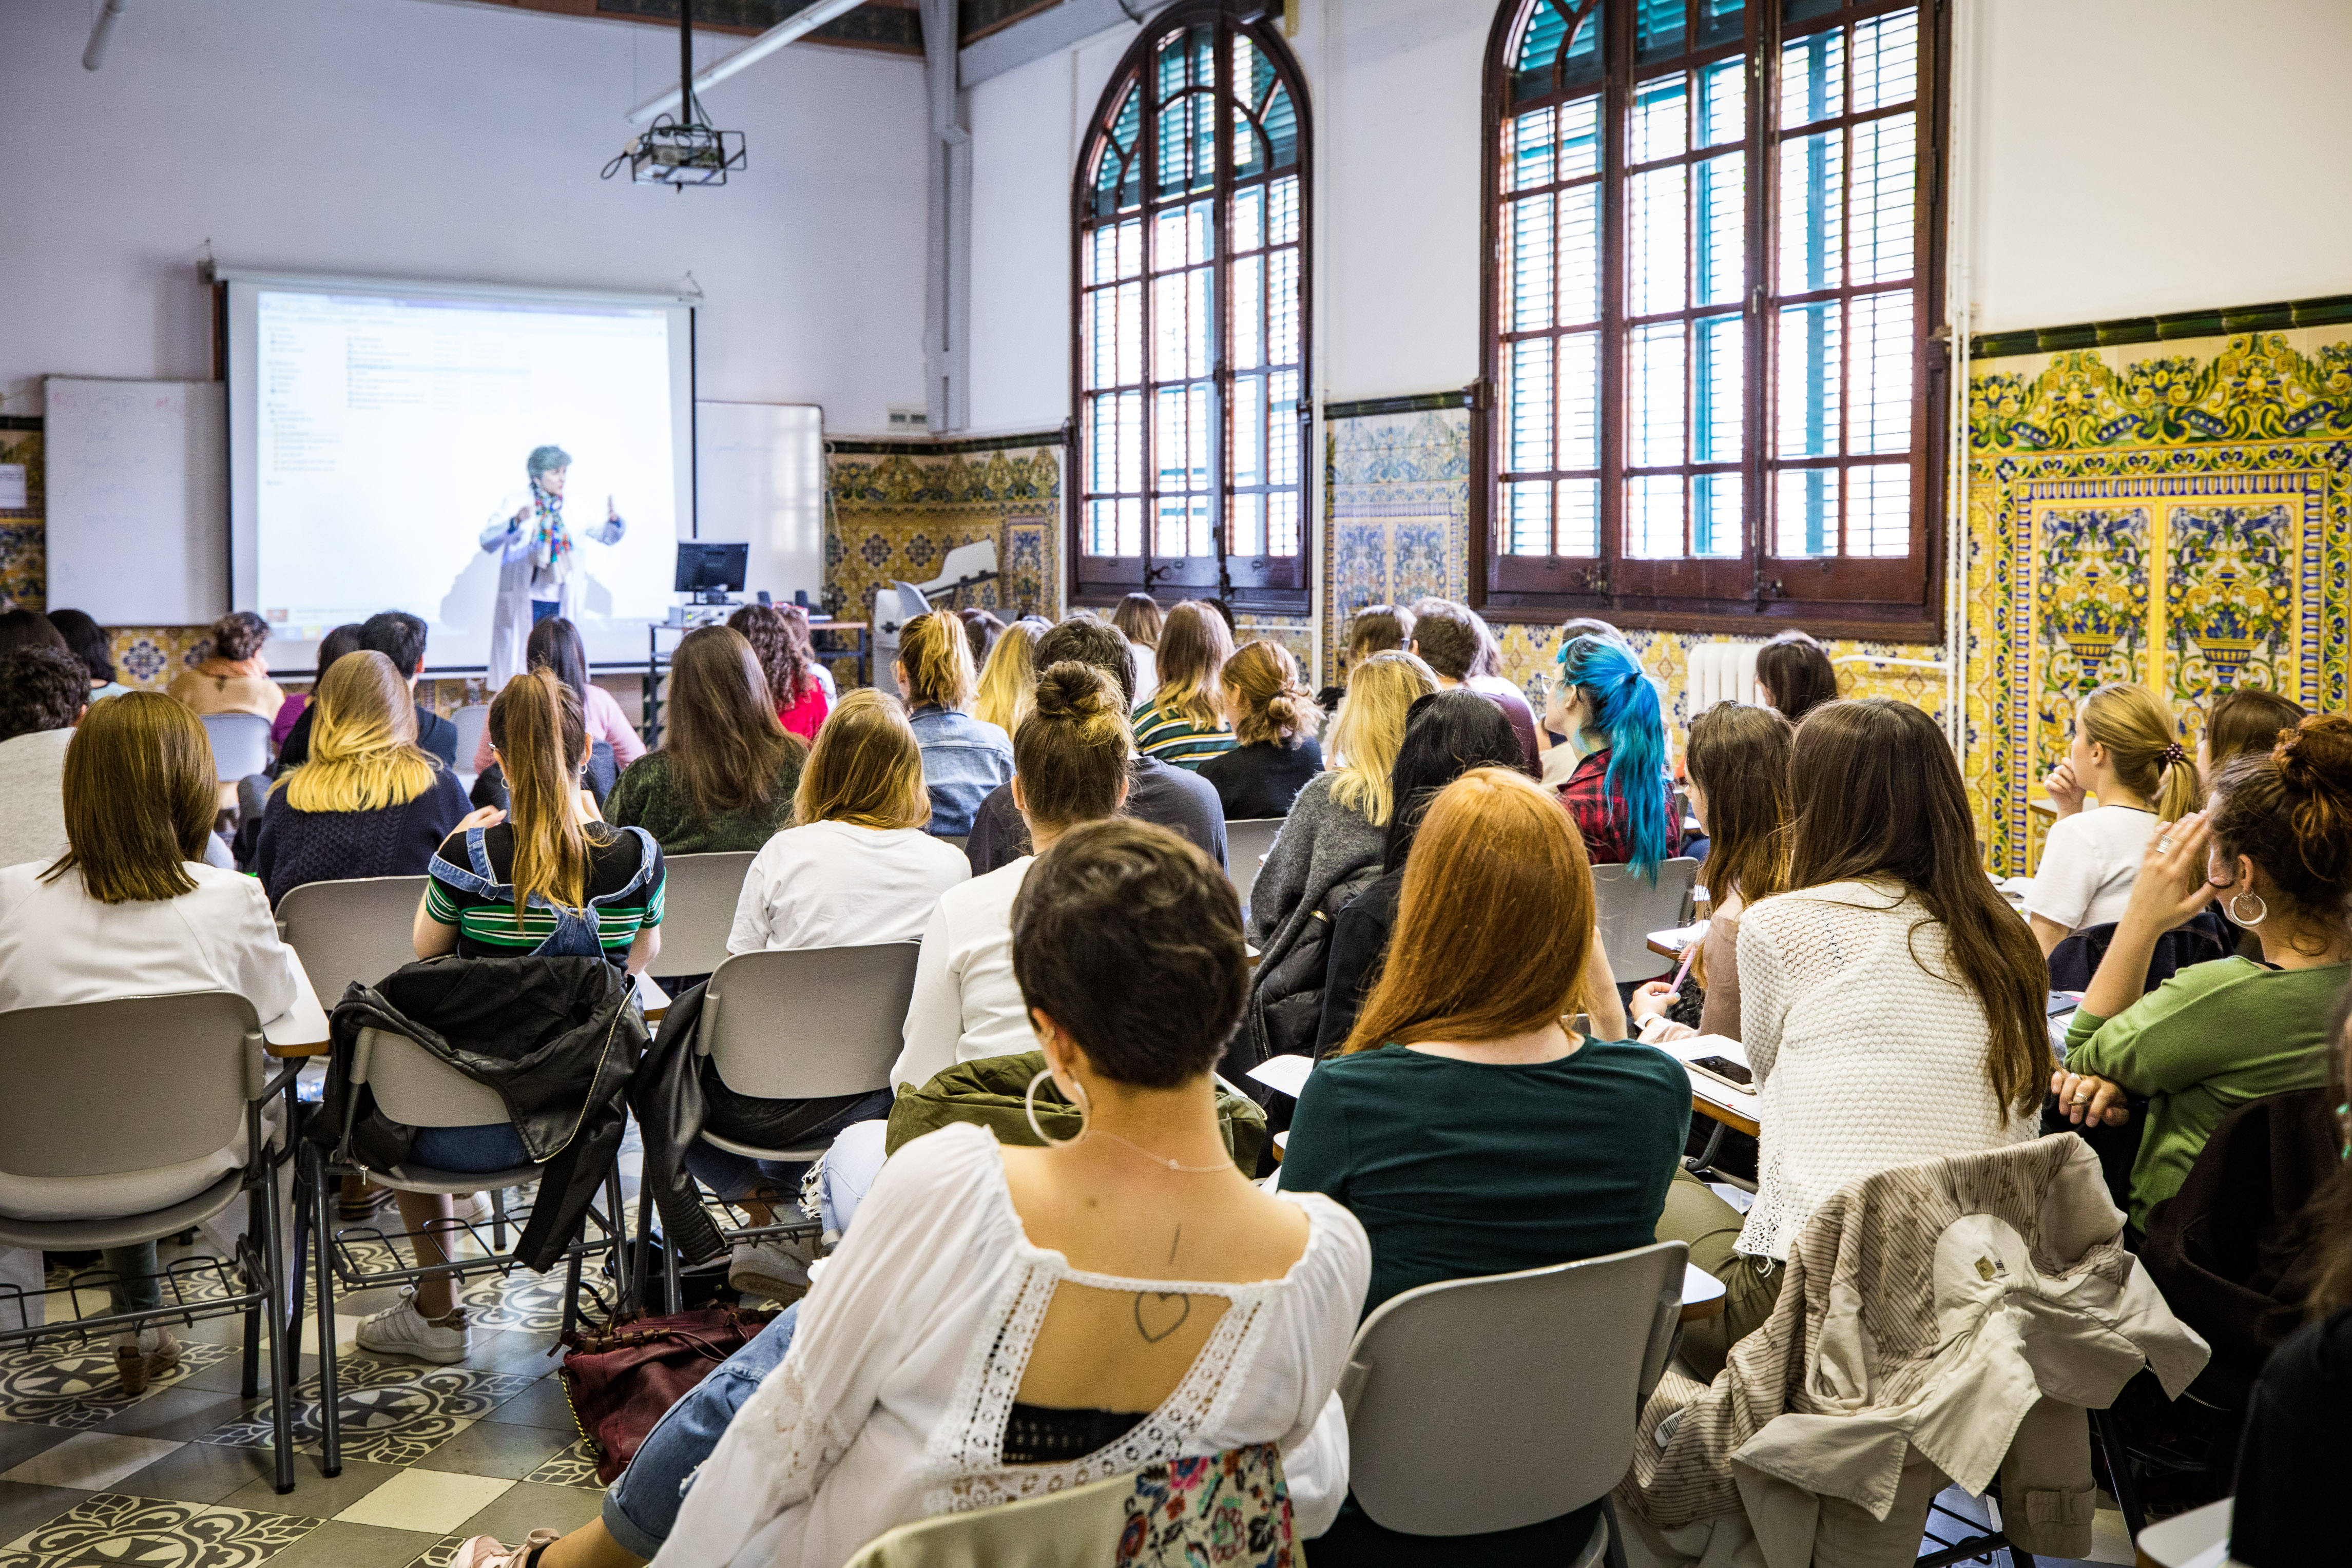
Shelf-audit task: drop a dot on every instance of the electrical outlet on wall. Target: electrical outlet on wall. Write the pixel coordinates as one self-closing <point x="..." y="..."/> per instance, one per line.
<point x="906" y="420"/>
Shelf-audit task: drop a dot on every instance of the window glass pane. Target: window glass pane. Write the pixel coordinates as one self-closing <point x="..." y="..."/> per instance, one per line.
<point x="1654" y="414"/>
<point x="1807" y="384"/>
<point x="1179" y="326"/>
<point x="1128" y="366"/>
<point x="1581" y="65"/>
<point x="1246" y="525"/>
<point x="1281" y="428"/>
<point x="1805" y="10"/>
<point x="1878" y="512"/>
<point x="1282" y="522"/>
<point x="1547" y="34"/>
<point x="1579" y="254"/>
<point x="1880" y="373"/>
<point x="1526" y="518"/>
<point x="1656" y="212"/>
<point x="1179" y="238"/>
<point x="1529" y="152"/>
<point x="1282" y="129"/>
<point x="1717" y="388"/>
<point x="1249" y="151"/>
<point x="1526" y="405"/>
<point x="1719" y="200"/>
<point x="1282" y="307"/>
<point x="1715" y="515"/>
<point x="1813" y="174"/>
<point x="1580" y="401"/>
<point x="1247" y="344"/>
<point x="1813" y="78"/>
<point x="1130" y="248"/>
<point x="1886" y="185"/>
<point x="1804" y="512"/>
<point x="1528" y="279"/>
<point x="1720" y="21"/>
<point x="1246" y="451"/>
<point x="1657" y="29"/>
<point x="1580" y="138"/>
<point x="1579" y="517"/>
<point x="1282" y="210"/>
<point x="1188" y="153"/>
<point x="1886" y="61"/>
<point x="1723" y="102"/>
<point x="1654" y="515"/>
<point x="1660" y="121"/>
<point x="1249" y="217"/>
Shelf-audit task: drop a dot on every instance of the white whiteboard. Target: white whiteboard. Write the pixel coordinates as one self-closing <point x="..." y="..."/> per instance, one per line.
<point x="138" y="500"/>
<point x="759" y="478"/>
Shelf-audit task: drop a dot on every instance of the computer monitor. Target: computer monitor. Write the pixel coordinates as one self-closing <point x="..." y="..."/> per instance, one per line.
<point x="707" y="569"/>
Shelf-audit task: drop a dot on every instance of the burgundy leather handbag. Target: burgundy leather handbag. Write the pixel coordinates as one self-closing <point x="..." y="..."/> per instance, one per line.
<point x="621" y="1379"/>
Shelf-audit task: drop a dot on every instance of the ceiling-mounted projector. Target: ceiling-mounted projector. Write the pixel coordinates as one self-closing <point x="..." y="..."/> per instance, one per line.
<point x="683" y="152"/>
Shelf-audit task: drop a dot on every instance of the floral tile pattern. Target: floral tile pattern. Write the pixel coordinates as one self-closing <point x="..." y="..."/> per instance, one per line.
<point x="395" y="1412"/>
<point x="899" y="507"/>
<point x="573" y="1466"/>
<point x="108" y="1528"/>
<point x="74" y="1386"/>
<point x="441" y="1553"/>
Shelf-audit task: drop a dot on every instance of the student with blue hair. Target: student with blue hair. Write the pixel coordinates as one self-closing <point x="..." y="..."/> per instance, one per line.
<point x="1619" y="794"/>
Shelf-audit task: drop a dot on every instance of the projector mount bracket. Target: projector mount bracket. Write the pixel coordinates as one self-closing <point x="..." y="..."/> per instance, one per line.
<point x="684" y="151"/>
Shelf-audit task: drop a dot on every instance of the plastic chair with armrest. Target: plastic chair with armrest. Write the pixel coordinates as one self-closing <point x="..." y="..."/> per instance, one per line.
<point x="240" y="744"/>
<point x="353" y="930"/>
<point x="1629" y="907"/>
<point x="1247" y="842"/>
<point x="698" y="897"/>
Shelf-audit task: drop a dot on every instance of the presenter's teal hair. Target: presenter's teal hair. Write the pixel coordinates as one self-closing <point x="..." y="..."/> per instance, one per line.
<point x="1624" y="710"/>
<point x="544" y="458"/>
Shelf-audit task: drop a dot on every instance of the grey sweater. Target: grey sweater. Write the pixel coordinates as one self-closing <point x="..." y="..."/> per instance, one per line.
<point x="1320" y="845"/>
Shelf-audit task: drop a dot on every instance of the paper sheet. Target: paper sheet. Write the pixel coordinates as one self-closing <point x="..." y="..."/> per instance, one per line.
<point x="1284" y="1074"/>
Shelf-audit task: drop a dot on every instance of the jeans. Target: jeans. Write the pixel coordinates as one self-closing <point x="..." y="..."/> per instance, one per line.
<point x="737" y="1176"/>
<point x="492" y="1147"/>
<point x="641" y="1509"/>
<point x="135" y="1288"/>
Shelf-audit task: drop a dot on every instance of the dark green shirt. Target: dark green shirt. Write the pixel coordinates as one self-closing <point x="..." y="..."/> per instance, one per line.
<point x="1457" y="1168"/>
<point x="650" y="796"/>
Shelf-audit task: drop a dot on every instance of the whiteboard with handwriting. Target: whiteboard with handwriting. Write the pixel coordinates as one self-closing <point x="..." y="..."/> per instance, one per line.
<point x="138" y="500"/>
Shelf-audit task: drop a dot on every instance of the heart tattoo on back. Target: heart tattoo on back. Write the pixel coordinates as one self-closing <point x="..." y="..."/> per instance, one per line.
<point x="1149" y="1321"/>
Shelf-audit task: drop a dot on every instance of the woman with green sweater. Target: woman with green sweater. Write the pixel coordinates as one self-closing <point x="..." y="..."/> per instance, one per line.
<point x="2275" y="845"/>
<point x="724" y="776"/>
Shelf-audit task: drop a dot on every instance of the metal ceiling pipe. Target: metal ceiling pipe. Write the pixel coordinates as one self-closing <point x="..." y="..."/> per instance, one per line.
<point x="758" y="49"/>
<point x="102" y="34"/>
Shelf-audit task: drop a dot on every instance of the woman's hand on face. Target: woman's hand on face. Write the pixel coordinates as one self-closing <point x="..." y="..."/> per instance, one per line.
<point x="2172" y="884"/>
<point x="2064" y="790"/>
<point x="1650" y="1000"/>
<point x="480" y="817"/>
<point x="2083" y="1097"/>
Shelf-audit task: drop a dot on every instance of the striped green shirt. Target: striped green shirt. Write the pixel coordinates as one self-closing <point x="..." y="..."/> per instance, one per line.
<point x="486" y="928"/>
<point x="1171" y="737"/>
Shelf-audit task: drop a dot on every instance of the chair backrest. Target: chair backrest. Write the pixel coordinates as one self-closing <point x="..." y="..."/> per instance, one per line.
<point x="806" y="1024"/>
<point x="354" y="930"/>
<point x="415" y="1086"/>
<point x="2203" y="938"/>
<point x="470" y="720"/>
<point x="240" y="744"/>
<point x="1483" y="1405"/>
<point x="1245" y="842"/>
<point x="1630" y="906"/>
<point x="101" y="1088"/>
<point x="698" y="897"/>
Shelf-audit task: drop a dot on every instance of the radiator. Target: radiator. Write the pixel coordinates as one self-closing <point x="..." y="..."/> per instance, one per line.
<point x="1721" y="672"/>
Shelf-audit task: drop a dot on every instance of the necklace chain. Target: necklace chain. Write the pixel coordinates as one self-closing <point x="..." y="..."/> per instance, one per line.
<point x="1157" y="1159"/>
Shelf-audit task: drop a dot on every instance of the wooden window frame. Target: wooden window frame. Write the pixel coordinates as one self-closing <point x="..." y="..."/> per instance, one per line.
<point x="1887" y="599"/>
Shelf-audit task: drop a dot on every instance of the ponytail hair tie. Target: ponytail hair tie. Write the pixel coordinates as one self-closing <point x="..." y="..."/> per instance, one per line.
<point x="2174" y="756"/>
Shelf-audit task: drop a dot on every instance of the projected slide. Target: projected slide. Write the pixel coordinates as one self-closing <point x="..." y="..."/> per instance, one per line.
<point x="460" y="459"/>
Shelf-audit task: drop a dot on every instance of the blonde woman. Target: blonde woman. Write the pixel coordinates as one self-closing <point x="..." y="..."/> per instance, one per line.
<point x="2126" y="750"/>
<point x="1010" y="673"/>
<point x="370" y="801"/>
<point x="1274" y="718"/>
<point x="963" y="757"/>
<point x="1184" y="722"/>
<point x="1139" y="620"/>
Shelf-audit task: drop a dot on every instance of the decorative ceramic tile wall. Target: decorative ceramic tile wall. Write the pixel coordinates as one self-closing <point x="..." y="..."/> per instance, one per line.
<point x="2178" y="513"/>
<point x="24" y="562"/>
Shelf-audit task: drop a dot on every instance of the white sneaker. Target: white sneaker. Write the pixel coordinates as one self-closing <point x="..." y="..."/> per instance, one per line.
<point x="401" y="1330"/>
<point x="773" y="1267"/>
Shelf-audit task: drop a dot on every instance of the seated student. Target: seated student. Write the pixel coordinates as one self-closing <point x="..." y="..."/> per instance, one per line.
<point x="130" y="910"/>
<point x="1739" y="762"/>
<point x="87" y="642"/>
<point x="963" y="757"/>
<point x="778" y="636"/>
<point x="1275" y="719"/>
<point x="43" y="693"/>
<point x="1486" y="679"/>
<point x="2277" y="845"/>
<point x="234" y="678"/>
<point x="917" y="1337"/>
<point x="369" y="802"/>
<point x="22" y="628"/>
<point x="982" y="628"/>
<point x="1139" y="620"/>
<point x="1070" y="760"/>
<point x="1619" y="795"/>
<point x="2243" y="719"/>
<point x="1559" y="760"/>
<point x="724" y="775"/>
<point x="1892" y="1005"/>
<point x="544" y="876"/>
<point x="1009" y="671"/>
<point x="1184" y="721"/>
<point x="338" y="641"/>
<point x="1176" y="798"/>
<point x="1796" y="674"/>
<point x="1454" y="643"/>
<point x="1374" y="629"/>
<point x="1462" y="1122"/>
<point x="400" y="637"/>
<point x="2125" y="751"/>
<point x="557" y="644"/>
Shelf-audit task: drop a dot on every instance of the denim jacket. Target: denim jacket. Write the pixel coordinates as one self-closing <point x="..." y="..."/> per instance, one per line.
<point x="964" y="758"/>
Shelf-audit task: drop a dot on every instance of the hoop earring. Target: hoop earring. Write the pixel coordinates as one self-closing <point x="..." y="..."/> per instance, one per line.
<point x="2264" y="909"/>
<point x="1029" y="1105"/>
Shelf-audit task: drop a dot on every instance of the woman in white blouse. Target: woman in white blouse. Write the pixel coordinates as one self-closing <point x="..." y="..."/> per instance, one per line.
<point x="1070" y="762"/>
<point x="2126" y="751"/>
<point x="1001" y="1323"/>
<point x="1892" y="1006"/>
<point x="132" y="910"/>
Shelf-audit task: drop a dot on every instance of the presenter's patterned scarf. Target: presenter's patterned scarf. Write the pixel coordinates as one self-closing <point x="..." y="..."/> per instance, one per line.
<point x="551" y="541"/>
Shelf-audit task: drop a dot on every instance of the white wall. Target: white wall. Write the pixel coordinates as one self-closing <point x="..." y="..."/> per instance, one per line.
<point x="2120" y="156"/>
<point x="406" y="139"/>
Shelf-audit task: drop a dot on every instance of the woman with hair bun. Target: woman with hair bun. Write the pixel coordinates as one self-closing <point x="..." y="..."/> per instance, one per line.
<point x="2275" y="847"/>
<point x="1274" y="717"/>
<point x="2126" y="751"/>
<point x="234" y="678"/>
<point x="963" y="757"/>
<point x="1619" y="795"/>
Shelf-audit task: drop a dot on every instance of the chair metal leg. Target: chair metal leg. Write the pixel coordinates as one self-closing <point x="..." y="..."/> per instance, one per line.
<point x="1613" y="1555"/>
<point x="626" y="1299"/>
<point x="331" y="1413"/>
<point x="499" y="1220"/>
<point x="281" y="1343"/>
<point x="249" y="1382"/>
<point x="2110" y="1435"/>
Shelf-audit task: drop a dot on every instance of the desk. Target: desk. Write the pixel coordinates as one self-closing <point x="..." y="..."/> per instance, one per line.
<point x="1736" y="1109"/>
<point x="1702" y="1295"/>
<point x="860" y="645"/>
<point x="2198" y="1539"/>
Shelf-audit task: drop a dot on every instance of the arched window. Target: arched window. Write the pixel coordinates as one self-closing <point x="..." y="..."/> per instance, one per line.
<point x="1713" y="267"/>
<point x="1191" y="342"/>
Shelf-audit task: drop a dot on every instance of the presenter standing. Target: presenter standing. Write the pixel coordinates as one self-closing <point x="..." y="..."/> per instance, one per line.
<point x="536" y="575"/>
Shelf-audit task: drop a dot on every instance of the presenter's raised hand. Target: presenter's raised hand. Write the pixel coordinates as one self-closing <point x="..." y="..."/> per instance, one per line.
<point x="522" y="517"/>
